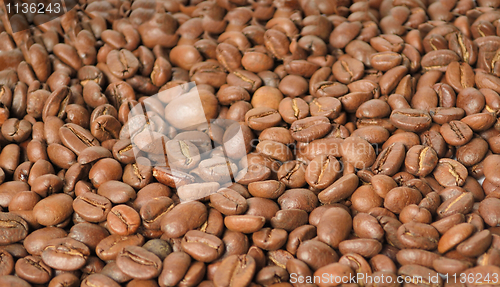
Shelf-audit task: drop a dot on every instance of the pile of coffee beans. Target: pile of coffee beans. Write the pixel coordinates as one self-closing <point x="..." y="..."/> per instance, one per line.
<point x="370" y="133"/>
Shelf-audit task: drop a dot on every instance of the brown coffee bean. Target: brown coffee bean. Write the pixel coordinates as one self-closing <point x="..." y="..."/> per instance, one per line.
<point x="98" y="280"/>
<point x="460" y="203"/>
<point x="76" y="138"/>
<point x="110" y="247"/>
<point x="271" y="189"/>
<point x="92" y="207"/>
<point x="400" y="197"/>
<point x="460" y="76"/>
<point x="294" y="109"/>
<point x="491" y="163"/>
<point x="455" y="236"/>
<point x="340" y="189"/>
<point x="438" y="60"/>
<point x="476" y="244"/>
<point x="411" y="120"/>
<point x="53" y="210"/>
<point x="123" y="220"/>
<point x="335" y="271"/>
<point x="322" y="171"/>
<point x="15" y="228"/>
<point x="262" y="118"/>
<point x="418" y="235"/>
<point x="449" y="172"/>
<point x="33" y="270"/>
<point x="238" y="270"/>
<point x="65" y="254"/>
<point x="332" y="233"/>
<point x="358" y="152"/>
<point x="487" y="210"/>
<point x="389" y="160"/>
<point x="229" y="202"/>
<point x="175" y="223"/>
<point x="138" y="263"/>
<point x="456" y="133"/>
<point x="417" y="257"/>
<point x="407" y="271"/>
<point x="202" y="246"/>
<point x="421" y="160"/>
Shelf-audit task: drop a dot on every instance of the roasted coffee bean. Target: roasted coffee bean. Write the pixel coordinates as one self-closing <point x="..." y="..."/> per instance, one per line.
<point x="322" y="171"/>
<point x="202" y="246"/>
<point x="326" y="106"/>
<point x="92" y="207"/>
<point x="53" y="210"/>
<point x="411" y="120"/>
<point x="65" y="254"/>
<point x="14" y="228"/>
<point x="454" y="236"/>
<point x="76" y="138"/>
<point x="138" y="263"/>
<point x="456" y="133"/>
<point x="421" y="160"/>
<point x="332" y="233"/>
<point x="294" y="109"/>
<point x="491" y="163"/>
<point x="358" y="152"/>
<point x="262" y="118"/>
<point x="229" y="202"/>
<point x="237" y="270"/>
<point x="6" y="263"/>
<point x="175" y="224"/>
<point x="449" y="172"/>
<point x="271" y="189"/>
<point x="418" y="235"/>
<point x="98" y="280"/>
<point x="33" y="270"/>
<point x="400" y="197"/>
<point x="487" y="210"/>
<point x="123" y="220"/>
<point x="340" y="189"/>
<point x="16" y="130"/>
<point x="389" y="160"/>
<point x="309" y="129"/>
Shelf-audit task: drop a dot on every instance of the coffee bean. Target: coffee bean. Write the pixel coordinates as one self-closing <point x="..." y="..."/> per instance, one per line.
<point x="399" y="197"/>
<point x="237" y="270"/>
<point x="454" y="236"/>
<point x="418" y="235"/>
<point x="456" y="133"/>
<point x="294" y="109"/>
<point x="65" y="254"/>
<point x="358" y="152"/>
<point x="340" y="189"/>
<point x="201" y="246"/>
<point x="262" y="118"/>
<point x="138" y="263"/>
<point x="420" y="160"/>
<point x="389" y="160"/>
<point x="411" y="120"/>
<point x="33" y="270"/>
<point x="449" y="172"/>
